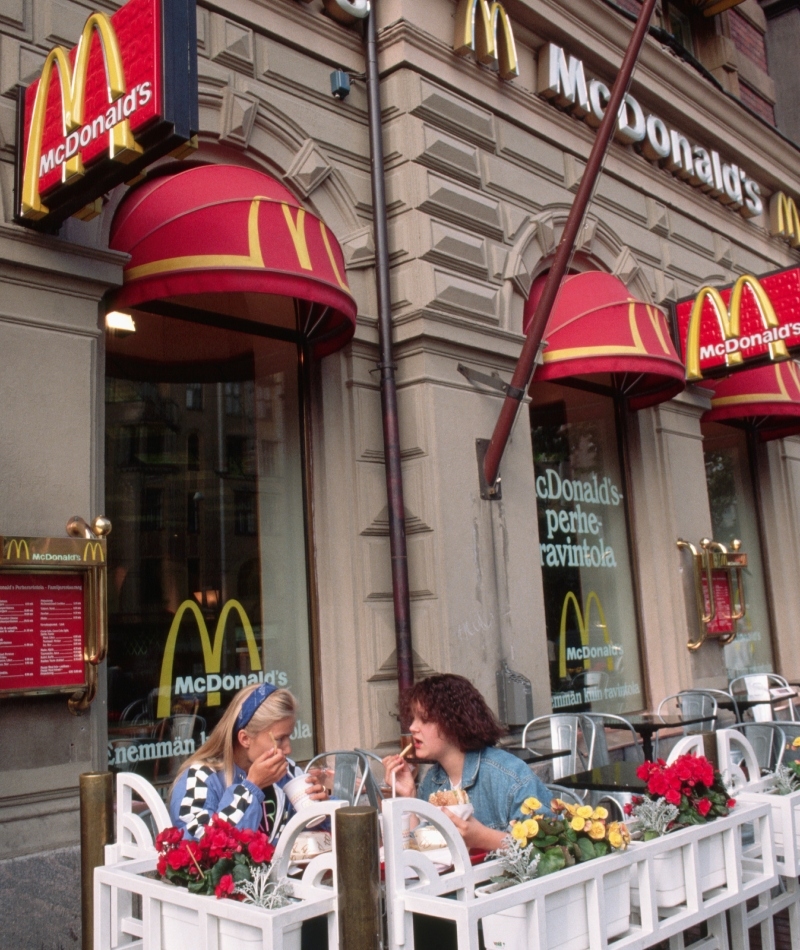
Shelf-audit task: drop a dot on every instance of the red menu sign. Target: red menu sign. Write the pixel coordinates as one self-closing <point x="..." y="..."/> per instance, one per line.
<point x="41" y="631"/>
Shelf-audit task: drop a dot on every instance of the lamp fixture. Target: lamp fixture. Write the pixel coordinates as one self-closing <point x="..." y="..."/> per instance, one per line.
<point x="120" y="324"/>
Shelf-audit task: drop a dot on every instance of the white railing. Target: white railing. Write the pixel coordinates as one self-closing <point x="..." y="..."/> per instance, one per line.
<point x="133" y="910"/>
<point x="572" y="908"/>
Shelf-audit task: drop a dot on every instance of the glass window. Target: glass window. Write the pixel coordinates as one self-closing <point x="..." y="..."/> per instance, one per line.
<point x="590" y="612"/>
<point x="207" y="567"/>
<point x="734" y="515"/>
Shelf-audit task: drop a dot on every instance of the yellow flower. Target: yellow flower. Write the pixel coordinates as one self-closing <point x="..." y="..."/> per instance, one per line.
<point x="584" y="811"/>
<point x="577" y="823"/>
<point x="601" y="813"/>
<point x="518" y="831"/>
<point x="618" y="835"/>
<point x="796" y="743"/>
<point x="531" y="826"/>
<point x="530" y="805"/>
<point x="557" y="805"/>
<point x="598" y="831"/>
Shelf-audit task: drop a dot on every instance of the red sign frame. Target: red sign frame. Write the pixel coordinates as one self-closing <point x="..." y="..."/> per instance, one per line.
<point x="746" y="324"/>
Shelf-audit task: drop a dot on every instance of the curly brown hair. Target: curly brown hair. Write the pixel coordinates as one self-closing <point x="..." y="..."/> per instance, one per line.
<point x="456" y="707"/>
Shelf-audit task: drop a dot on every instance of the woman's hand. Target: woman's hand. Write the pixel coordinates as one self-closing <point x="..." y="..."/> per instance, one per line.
<point x="475" y="834"/>
<point x="316" y="790"/>
<point x="404" y="776"/>
<point x="268" y="768"/>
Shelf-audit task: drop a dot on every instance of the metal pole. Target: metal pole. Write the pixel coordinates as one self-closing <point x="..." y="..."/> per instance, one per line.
<point x="523" y="371"/>
<point x="391" y="430"/>
<point x="358" y="878"/>
<point x="97" y="830"/>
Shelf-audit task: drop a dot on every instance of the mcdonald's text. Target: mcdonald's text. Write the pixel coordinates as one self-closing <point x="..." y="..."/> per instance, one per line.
<point x="562" y="80"/>
<point x="753" y="321"/>
<point x="229" y="683"/>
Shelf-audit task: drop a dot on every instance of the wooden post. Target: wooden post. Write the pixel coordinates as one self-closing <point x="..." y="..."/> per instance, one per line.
<point x="97" y="830"/>
<point x="358" y="879"/>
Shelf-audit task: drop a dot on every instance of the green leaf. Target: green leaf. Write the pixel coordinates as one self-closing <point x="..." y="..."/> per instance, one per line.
<point x="649" y="835"/>
<point x="601" y="848"/>
<point x="241" y="872"/>
<point x="553" y="860"/>
<point x="585" y="850"/>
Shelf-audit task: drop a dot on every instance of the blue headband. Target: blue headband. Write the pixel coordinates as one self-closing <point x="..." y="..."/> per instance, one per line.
<point x="251" y="704"/>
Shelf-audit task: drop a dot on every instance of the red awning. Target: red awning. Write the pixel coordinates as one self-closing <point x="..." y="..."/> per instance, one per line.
<point x="224" y="229"/>
<point x="766" y="399"/>
<point x="597" y="328"/>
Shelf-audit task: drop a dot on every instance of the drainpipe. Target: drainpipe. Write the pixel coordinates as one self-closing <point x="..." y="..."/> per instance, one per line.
<point x="523" y="372"/>
<point x="391" y="430"/>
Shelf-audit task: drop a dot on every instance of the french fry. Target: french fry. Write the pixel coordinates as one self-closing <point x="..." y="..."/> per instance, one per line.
<point x="274" y="743"/>
<point x="407" y="749"/>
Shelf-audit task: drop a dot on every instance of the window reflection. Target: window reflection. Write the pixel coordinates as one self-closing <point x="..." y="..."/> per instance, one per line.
<point x="207" y="570"/>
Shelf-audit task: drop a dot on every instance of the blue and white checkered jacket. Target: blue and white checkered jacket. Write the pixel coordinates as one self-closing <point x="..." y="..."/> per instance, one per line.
<point x="201" y="792"/>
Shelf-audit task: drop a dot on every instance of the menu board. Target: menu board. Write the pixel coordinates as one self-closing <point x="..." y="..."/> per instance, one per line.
<point x="41" y="631"/>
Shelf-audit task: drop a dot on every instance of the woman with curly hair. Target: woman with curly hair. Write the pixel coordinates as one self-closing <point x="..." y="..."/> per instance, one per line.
<point x="452" y="726"/>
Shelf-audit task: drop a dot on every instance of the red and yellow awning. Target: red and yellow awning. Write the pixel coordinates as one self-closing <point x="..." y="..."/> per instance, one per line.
<point x="766" y="398"/>
<point x="224" y="229"/>
<point x="597" y="328"/>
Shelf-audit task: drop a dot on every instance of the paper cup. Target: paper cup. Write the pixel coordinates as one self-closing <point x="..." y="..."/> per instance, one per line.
<point x="405" y="828"/>
<point x="297" y="793"/>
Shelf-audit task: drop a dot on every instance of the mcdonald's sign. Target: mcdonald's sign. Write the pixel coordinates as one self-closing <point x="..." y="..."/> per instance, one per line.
<point x="17" y="549"/>
<point x="753" y="321"/>
<point x="586" y="652"/>
<point x="124" y="96"/>
<point x="212" y="651"/>
<point x="93" y="551"/>
<point x="784" y="220"/>
<point x="485" y="28"/>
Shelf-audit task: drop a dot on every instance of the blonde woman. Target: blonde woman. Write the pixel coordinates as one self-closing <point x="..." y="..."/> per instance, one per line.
<point x="240" y="771"/>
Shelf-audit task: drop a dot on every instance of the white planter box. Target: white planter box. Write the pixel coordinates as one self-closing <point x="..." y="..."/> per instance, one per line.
<point x="785" y="811"/>
<point x="180" y="930"/>
<point x="567" y="917"/>
<point x="670" y="879"/>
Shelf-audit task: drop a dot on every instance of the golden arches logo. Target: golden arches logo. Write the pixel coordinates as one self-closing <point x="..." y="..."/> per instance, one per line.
<point x="489" y="34"/>
<point x="95" y="550"/>
<point x="730" y="319"/>
<point x="582" y="616"/>
<point x="121" y="143"/>
<point x="784" y="221"/>
<point x="18" y="545"/>
<point x="212" y="652"/>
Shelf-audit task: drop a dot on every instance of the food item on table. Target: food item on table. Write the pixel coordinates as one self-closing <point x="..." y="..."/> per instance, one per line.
<point x="452" y="796"/>
<point x="427" y="838"/>
<point x="308" y="844"/>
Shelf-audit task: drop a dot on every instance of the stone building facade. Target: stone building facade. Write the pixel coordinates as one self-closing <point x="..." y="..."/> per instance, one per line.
<point x="480" y="176"/>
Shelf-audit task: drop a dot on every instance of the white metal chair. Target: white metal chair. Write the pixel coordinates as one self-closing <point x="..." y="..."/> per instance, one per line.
<point x="349" y="770"/>
<point x="775" y="691"/>
<point x="564" y="732"/>
<point x="594" y="725"/>
<point x="768" y="740"/>
<point x="689" y="704"/>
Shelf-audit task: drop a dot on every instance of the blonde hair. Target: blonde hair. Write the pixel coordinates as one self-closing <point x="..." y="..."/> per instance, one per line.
<point x="218" y="750"/>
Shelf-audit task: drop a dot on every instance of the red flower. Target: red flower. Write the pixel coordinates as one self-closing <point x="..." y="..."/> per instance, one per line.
<point x="730" y="803"/>
<point x="178" y="858"/>
<point x="703" y="806"/>
<point x="673" y="796"/>
<point x="225" y="886"/>
<point x="168" y="836"/>
<point x="261" y="850"/>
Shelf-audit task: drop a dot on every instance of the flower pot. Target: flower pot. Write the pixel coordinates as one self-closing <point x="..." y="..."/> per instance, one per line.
<point x="180" y="930"/>
<point x="567" y="916"/>
<point x="669" y="875"/>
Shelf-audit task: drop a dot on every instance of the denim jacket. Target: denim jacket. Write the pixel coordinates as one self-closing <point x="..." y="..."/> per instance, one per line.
<point x="497" y="783"/>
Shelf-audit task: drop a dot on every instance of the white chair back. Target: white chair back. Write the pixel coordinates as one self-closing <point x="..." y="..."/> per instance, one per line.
<point x="134" y="836"/>
<point x="733" y="749"/>
<point x="688" y="745"/>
